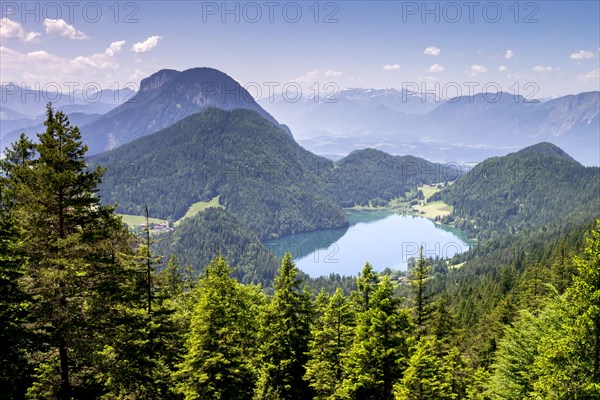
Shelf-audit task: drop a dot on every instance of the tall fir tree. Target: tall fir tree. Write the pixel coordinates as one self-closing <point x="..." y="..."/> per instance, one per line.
<point x="419" y="282"/>
<point x="366" y="284"/>
<point x="71" y="243"/>
<point x="331" y="338"/>
<point x="422" y="379"/>
<point x="285" y="338"/>
<point x="143" y="346"/>
<point x="219" y="362"/>
<point x="512" y="371"/>
<point x="379" y="351"/>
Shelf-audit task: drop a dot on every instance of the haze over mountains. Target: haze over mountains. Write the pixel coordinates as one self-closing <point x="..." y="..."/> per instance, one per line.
<point x="23" y="109"/>
<point x="464" y="129"/>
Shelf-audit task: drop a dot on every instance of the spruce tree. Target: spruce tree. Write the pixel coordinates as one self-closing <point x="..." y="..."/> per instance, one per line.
<point x="366" y="284"/>
<point x="72" y="246"/>
<point x="422" y="379"/>
<point x="285" y="338"/>
<point x="331" y="338"/>
<point x="218" y="363"/>
<point x="379" y="351"/>
<point x="419" y="281"/>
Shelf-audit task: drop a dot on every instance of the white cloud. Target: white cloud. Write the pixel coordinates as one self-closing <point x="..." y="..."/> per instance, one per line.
<point x="582" y="55"/>
<point x="42" y="67"/>
<point x="146" y="45"/>
<point x="98" y="61"/>
<point x="436" y="68"/>
<point x="137" y="75"/>
<point x="61" y="28"/>
<point x="331" y="72"/>
<point x="540" y="68"/>
<point x="478" y="69"/>
<point x="13" y="30"/>
<point x="509" y="54"/>
<point x="591" y="76"/>
<point x="432" y="51"/>
<point x="391" y="67"/>
<point x="502" y="68"/>
<point x="310" y="76"/>
<point x="114" y="48"/>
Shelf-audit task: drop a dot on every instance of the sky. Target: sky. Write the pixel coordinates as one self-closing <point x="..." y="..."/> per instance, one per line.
<point x="538" y="49"/>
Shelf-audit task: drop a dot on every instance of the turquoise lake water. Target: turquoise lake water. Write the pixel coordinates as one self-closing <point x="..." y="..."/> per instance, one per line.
<point x="383" y="238"/>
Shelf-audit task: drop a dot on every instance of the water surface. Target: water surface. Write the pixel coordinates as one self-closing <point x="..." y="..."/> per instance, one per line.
<point x="383" y="238"/>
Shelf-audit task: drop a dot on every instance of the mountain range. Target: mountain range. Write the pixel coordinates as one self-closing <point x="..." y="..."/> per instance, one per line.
<point x="465" y="128"/>
<point x="461" y="129"/>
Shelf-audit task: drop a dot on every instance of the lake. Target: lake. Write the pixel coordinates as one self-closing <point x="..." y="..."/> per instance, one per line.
<point x="383" y="238"/>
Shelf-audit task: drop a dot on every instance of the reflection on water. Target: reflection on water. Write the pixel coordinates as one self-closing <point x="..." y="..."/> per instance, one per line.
<point x="383" y="238"/>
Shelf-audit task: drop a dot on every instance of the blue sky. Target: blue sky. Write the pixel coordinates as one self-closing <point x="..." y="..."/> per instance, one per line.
<point x="540" y="49"/>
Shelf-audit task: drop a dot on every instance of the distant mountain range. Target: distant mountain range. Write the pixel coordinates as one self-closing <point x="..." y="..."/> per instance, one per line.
<point x="23" y="109"/>
<point x="466" y="128"/>
<point x="463" y="129"/>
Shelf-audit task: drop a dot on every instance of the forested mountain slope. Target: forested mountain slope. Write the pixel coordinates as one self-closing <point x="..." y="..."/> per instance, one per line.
<point x="527" y="189"/>
<point x="262" y="175"/>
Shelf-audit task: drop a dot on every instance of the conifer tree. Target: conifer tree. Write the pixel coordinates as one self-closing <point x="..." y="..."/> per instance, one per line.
<point x="331" y="338"/>
<point x="72" y="246"/>
<point x="218" y="363"/>
<point x="419" y="281"/>
<point x="568" y="365"/>
<point x="379" y="352"/>
<point x="422" y="379"/>
<point x="366" y="284"/>
<point x="285" y="338"/>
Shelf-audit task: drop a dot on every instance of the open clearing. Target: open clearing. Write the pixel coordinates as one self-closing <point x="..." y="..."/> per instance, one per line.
<point x="136" y="220"/>
<point x="200" y="206"/>
<point x="434" y="209"/>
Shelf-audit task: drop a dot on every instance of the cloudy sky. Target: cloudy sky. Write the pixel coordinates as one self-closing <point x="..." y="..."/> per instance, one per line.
<point x="538" y="49"/>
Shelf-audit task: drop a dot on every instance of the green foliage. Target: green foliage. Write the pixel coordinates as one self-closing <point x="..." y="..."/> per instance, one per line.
<point x="512" y="376"/>
<point x="569" y="360"/>
<point x="71" y="243"/>
<point x="373" y="177"/>
<point x="418" y="280"/>
<point x="284" y="337"/>
<point x="215" y="153"/>
<point x="522" y="191"/>
<point x="14" y="335"/>
<point x="84" y="315"/>
<point x="379" y="352"/>
<point x="143" y="346"/>
<point x="366" y="284"/>
<point x="219" y="360"/>
<point x="332" y="335"/>
<point x="422" y="379"/>
<point x="216" y="232"/>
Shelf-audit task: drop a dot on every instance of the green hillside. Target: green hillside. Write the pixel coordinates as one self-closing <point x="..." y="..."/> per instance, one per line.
<point x="536" y="186"/>
<point x="261" y="175"/>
